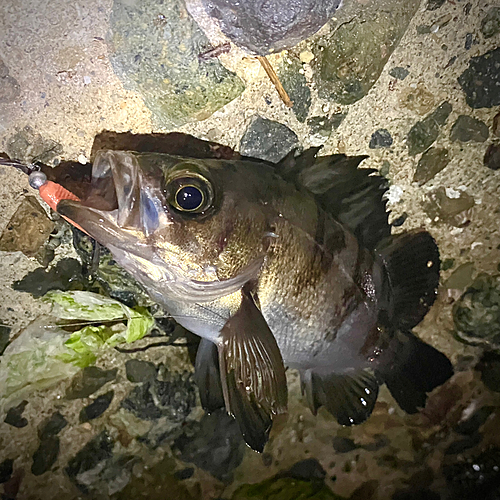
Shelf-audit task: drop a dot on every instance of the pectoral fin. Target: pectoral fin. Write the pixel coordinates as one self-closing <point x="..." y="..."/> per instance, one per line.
<point x="252" y="372"/>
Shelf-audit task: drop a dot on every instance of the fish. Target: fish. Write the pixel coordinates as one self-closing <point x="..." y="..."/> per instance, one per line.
<point x="275" y="266"/>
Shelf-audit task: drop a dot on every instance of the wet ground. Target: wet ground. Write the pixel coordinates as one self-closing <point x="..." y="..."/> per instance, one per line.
<point x="416" y="87"/>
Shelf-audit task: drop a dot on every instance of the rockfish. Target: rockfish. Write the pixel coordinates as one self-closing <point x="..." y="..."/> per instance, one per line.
<point x="274" y="266"/>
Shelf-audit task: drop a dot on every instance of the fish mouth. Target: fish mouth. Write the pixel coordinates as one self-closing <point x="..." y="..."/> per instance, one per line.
<point x="125" y="202"/>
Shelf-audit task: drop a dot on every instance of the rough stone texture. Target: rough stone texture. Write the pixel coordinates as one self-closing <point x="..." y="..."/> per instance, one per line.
<point x="431" y="162"/>
<point x="263" y="27"/>
<point x="140" y="371"/>
<point x="88" y="381"/>
<point x="154" y="50"/>
<point x="490" y="25"/>
<point x="399" y="72"/>
<point x="381" y="139"/>
<point x="9" y="87"/>
<point x="351" y="58"/>
<point x="469" y="129"/>
<point x="295" y="84"/>
<point x="29" y="146"/>
<point x="481" y="80"/>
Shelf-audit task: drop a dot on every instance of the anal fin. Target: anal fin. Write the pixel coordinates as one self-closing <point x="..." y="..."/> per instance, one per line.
<point x="349" y="396"/>
<point x="252" y="372"/>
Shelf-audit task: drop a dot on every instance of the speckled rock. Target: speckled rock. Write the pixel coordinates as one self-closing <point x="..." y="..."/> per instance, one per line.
<point x="97" y="407"/>
<point x="295" y="84"/>
<point x="9" y="87"/>
<point x="88" y="381"/>
<point x="28" y="230"/>
<point x="381" y="138"/>
<point x="434" y="4"/>
<point x="477" y="314"/>
<point x="481" y="80"/>
<point x="349" y="60"/>
<point x="431" y="162"/>
<point x="29" y="146"/>
<point x="140" y="371"/>
<point x="490" y="25"/>
<point x="323" y="126"/>
<point x="267" y="140"/>
<point x="154" y="51"/>
<point x="469" y="129"/>
<point x="399" y="72"/>
<point x="492" y="157"/>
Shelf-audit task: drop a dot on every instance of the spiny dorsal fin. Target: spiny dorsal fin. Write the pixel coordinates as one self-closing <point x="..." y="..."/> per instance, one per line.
<point x="354" y="196"/>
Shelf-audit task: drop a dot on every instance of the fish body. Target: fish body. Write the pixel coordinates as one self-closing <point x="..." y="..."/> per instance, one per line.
<point x="273" y="266"/>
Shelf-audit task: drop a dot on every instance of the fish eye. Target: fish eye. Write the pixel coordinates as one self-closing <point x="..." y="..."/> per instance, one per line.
<point x="189" y="198"/>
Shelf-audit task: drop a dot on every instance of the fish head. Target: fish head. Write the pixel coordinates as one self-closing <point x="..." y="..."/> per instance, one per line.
<point x="198" y="228"/>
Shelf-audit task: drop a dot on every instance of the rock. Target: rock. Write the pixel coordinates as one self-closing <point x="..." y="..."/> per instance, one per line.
<point x="45" y="456"/>
<point x="295" y="84"/>
<point x="270" y="26"/>
<point x="425" y="132"/>
<point x="343" y="444"/>
<point x="489" y="367"/>
<point x="461" y="277"/>
<point x="495" y="129"/>
<point x="65" y="275"/>
<point x="463" y="444"/>
<point x="399" y="221"/>
<point x="490" y="25"/>
<point x="28" y="229"/>
<point x="477" y="313"/>
<point x="475" y="421"/>
<point x="4" y="337"/>
<point x="492" y="157"/>
<point x="381" y="138"/>
<point x="447" y="264"/>
<point x="15" y="417"/>
<point x="6" y="469"/>
<point x="416" y="494"/>
<point x="307" y="470"/>
<point x="154" y="50"/>
<point x="451" y="209"/>
<point x="88" y="381"/>
<point x="399" y="73"/>
<point x="481" y="80"/>
<point x="214" y="444"/>
<point x="419" y="99"/>
<point x="28" y="146"/>
<point x="140" y="371"/>
<point x="324" y="126"/>
<point x="173" y="398"/>
<point x="97" y="407"/>
<point x="52" y="426"/>
<point x="469" y="40"/>
<point x="9" y="87"/>
<point x="267" y="140"/>
<point x="349" y="60"/>
<point x="469" y="129"/>
<point x="431" y="162"/>
<point x="434" y="4"/>
<point x="184" y="473"/>
<point x="92" y="456"/>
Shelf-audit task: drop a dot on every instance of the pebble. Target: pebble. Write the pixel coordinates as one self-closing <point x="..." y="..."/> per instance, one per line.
<point x="492" y="157"/>
<point x="399" y="72"/>
<point x="469" y="129"/>
<point x="381" y="138"/>
<point x="88" y="381"/>
<point x="140" y="371"/>
<point x="15" y="417"/>
<point x="490" y="25"/>
<point x="97" y="407"/>
<point x="495" y="129"/>
<point x="431" y="162"/>
<point x="434" y="4"/>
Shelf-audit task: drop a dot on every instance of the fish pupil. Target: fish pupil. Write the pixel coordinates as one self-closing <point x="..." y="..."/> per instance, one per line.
<point x="189" y="198"/>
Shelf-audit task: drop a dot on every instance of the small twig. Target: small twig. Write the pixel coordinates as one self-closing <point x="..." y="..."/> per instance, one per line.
<point x="155" y="344"/>
<point x="276" y="82"/>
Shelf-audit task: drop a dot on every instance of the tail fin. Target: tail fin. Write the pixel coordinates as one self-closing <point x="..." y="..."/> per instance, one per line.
<point x="413" y="369"/>
<point x="411" y="261"/>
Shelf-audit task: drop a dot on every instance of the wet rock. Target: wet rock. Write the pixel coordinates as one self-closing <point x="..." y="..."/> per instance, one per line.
<point x="324" y="126"/>
<point x="267" y="140"/>
<point x="4" y="337"/>
<point x="52" y="426"/>
<point x="475" y="421"/>
<point x="495" y="129"/>
<point x="349" y="60"/>
<point x="29" y="146"/>
<point x="492" y="157"/>
<point x="343" y="444"/>
<point x="45" y="456"/>
<point x="172" y="398"/>
<point x="9" y="87"/>
<point x="490" y="25"/>
<point x="154" y="51"/>
<point x="92" y="456"/>
<point x="307" y="470"/>
<point x="381" y="138"/>
<point x="15" y="417"/>
<point x="474" y="477"/>
<point x="28" y="229"/>
<point x="468" y="129"/>
<point x="6" y="469"/>
<point x="481" y="80"/>
<point x="449" y="205"/>
<point x="399" y="73"/>
<point x="431" y="162"/>
<point x="461" y="277"/>
<point x="270" y="26"/>
<point x="295" y="85"/>
<point x="425" y="132"/>
<point x="88" y="381"/>
<point x="214" y="444"/>
<point x="97" y="407"/>
<point x="489" y="367"/>
<point x="434" y="4"/>
<point x="65" y="275"/>
<point x="477" y="313"/>
<point x="140" y="371"/>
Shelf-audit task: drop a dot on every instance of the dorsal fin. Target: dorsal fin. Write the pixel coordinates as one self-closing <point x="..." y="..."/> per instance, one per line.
<point x="354" y="196"/>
